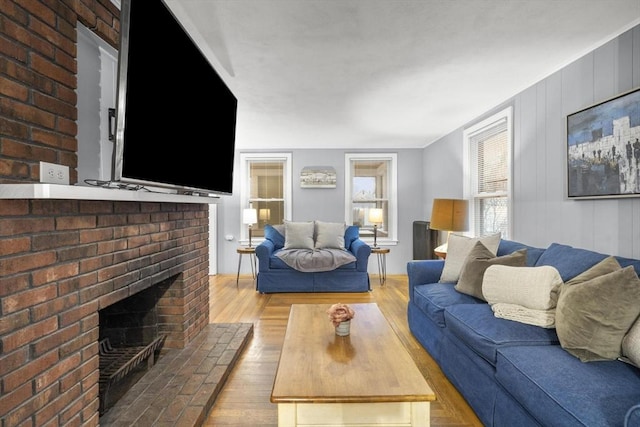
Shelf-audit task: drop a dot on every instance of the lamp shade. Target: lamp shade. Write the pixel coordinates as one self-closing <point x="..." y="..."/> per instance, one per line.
<point x="249" y="216"/>
<point x="375" y="216"/>
<point x="449" y="215"/>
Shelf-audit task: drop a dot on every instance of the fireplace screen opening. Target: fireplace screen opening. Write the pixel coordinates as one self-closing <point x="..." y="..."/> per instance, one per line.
<point x="130" y="344"/>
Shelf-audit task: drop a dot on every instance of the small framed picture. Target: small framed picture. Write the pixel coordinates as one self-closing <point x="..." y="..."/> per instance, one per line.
<point x="318" y="177"/>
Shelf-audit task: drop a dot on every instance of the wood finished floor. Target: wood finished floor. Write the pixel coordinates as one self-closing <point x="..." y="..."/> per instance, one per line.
<point x="244" y="400"/>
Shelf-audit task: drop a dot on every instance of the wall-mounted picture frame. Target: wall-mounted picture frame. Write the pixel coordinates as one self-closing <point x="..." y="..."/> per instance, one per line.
<point x="318" y="177"/>
<point x="603" y="149"/>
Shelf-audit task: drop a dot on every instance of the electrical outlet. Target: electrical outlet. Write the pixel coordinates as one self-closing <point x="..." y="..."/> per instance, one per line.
<point x="54" y="174"/>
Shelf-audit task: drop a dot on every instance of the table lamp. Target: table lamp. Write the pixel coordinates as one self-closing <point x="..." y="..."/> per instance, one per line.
<point x="449" y="215"/>
<point x="249" y="217"/>
<point x="375" y="217"/>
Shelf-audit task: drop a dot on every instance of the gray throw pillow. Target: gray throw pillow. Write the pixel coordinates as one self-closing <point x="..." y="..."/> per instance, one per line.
<point x="298" y="235"/>
<point x="329" y="235"/>
<point x="478" y="260"/>
<point x="593" y="317"/>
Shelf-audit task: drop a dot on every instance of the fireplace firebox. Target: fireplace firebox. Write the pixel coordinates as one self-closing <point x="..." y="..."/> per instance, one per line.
<point x="130" y="343"/>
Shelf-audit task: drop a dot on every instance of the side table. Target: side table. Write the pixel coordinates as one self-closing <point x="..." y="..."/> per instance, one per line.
<point x="251" y="251"/>
<point x="382" y="262"/>
<point x="439" y="254"/>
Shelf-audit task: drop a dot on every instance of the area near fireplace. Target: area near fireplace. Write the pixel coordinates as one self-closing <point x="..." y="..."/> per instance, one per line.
<point x="181" y="388"/>
<point x="61" y="262"/>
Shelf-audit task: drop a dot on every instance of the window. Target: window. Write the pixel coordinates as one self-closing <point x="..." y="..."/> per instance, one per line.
<point x="488" y="168"/>
<point x="266" y="187"/>
<point x="371" y="182"/>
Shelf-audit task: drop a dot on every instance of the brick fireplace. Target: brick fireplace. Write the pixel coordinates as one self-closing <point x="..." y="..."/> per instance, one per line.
<point x="61" y="261"/>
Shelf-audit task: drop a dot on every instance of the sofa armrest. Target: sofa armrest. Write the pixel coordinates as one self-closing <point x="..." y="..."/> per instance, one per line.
<point x="263" y="252"/>
<point x="361" y="251"/>
<point x="632" y="418"/>
<point x="421" y="272"/>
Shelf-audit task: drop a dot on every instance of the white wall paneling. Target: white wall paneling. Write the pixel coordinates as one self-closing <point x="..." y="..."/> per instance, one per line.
<point x="542" y="212"/>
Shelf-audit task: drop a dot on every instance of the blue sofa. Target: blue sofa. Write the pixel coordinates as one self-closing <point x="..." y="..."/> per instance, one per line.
<point x="513" y="373"/>
<point x="274" y="275"/>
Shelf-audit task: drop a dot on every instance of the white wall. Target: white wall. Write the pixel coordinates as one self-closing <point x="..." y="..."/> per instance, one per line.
<point x="542" y="213"/>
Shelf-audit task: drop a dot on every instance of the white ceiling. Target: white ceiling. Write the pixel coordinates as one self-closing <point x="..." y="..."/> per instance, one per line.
<point x="370" y="74"/>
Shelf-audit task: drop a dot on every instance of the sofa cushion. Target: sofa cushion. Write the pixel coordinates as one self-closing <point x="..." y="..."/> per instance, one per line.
<point x="593" y="317"/>
<point x="569" y="261"/>
<point x="298" y="235"/>
<point x="562" y="391"/>
<point x="479" y="329"/>
<point x="632" y="419"/>
<point x="509" y="246"/>
<point x="272" y="233"/>
<point x="458" y="247"/>
<point x="607" y="265"/>
<point x="433" y="298"/>
<point x="624" y="262"/>
<point x="478" y="260"/>
<point x="329" y="235"/>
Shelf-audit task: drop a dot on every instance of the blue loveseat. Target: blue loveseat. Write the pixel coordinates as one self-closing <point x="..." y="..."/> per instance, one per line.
<point x="274" y="275"/>
<point x="513" y="373"/>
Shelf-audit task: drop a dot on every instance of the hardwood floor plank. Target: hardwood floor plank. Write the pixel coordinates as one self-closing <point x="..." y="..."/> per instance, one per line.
<point x="244" y="400"/>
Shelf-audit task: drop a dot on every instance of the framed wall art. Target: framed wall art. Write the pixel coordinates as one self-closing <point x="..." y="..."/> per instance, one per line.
<point x="318" y="177"/>
<point x="603" y="149"/>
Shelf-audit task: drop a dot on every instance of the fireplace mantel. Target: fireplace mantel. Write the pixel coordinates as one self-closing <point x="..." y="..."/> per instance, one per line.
<point x="79" y="192"/>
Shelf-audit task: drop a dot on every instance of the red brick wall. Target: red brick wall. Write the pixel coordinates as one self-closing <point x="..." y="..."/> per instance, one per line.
<point x="38" y="81"/>
<point x="62" y="260"/>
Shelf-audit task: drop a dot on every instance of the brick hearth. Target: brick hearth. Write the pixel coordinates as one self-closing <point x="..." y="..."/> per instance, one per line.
<point x="182" y="386"/>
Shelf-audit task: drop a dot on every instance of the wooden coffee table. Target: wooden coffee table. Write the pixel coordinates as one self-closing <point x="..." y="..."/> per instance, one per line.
<point x="366" y="378"/>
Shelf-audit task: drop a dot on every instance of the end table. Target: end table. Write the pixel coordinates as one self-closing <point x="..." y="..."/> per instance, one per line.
<point x="251" y="251"/>
<point x="382" y="262"/>
<point x="439" y="254"/>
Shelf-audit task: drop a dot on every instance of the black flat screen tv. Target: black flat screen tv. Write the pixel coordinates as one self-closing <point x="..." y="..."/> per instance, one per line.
<point x="175" y="116"/>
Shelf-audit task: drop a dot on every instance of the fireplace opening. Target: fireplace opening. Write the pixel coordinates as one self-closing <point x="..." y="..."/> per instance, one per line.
<point x="130" y="344"/>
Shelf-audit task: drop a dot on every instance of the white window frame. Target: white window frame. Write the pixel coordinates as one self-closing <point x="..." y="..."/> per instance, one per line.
<point x="392" y="220"/>
<point x="470" y="170"/>
<point x="245" y="193"/>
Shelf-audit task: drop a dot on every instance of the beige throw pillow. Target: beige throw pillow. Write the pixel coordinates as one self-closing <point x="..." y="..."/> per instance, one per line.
<point x="631" y="345"/>
<point x="478" y="260"/>
<point x="592" y="318"/>
<point x="298" y="235"/>
<point x="458" y="247"/>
